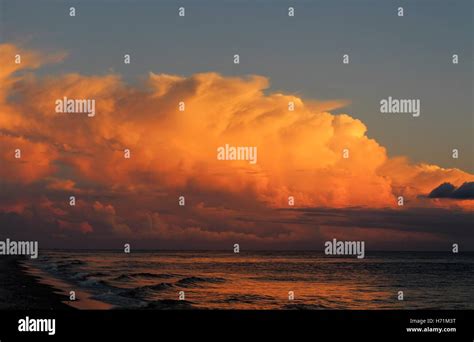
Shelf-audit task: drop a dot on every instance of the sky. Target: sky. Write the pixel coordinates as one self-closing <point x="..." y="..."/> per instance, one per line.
<point x="173" y="153"/>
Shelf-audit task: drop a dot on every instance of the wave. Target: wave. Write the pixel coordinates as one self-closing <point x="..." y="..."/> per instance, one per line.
<point x="82" y="276"/>
<point x="144" y="275"/>
<point x="304" y="307"/>
<point x="197" y="281"/>
<point x="94" y="283"/>
<point x="69" y="263"/>
<point x="169" y="304"/>
<point x="144" y="291"/>
<point x="246" y="298"/>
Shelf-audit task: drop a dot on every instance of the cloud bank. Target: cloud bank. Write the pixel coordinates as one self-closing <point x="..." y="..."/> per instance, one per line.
<point x="173" y="153"/>
<point x="447" y="190"/>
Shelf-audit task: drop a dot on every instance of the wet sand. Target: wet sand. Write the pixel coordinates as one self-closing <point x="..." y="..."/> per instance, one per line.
<point x="83" y="299"/>
<point x="22" y="291"/>
<point x="27" y="288"/>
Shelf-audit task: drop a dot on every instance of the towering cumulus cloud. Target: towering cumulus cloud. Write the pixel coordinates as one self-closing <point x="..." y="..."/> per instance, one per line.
<point x="173" y="126"/>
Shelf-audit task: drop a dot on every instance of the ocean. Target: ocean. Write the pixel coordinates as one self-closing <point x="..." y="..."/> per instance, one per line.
<point x="261" y="280"/>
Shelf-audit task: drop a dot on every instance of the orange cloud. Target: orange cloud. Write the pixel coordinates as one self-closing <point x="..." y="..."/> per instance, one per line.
<point x="300" y="152"/>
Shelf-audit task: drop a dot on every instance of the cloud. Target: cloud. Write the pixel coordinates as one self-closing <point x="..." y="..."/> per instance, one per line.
<point x="173" y="153"/>
<point x="447" y="190"/>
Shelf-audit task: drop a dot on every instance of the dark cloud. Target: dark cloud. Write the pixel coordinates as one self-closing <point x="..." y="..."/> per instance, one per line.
<point x="447" y="190"/>
<point x="432" y="220"/>
<point x="209" y="227"/>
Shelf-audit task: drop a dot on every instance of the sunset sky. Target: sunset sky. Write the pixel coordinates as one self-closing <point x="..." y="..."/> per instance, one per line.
<point x="300" y="152"/>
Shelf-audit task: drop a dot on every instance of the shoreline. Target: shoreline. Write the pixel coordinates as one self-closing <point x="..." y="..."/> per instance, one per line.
<point x="103" y="282"/>
<point x="83" y="298"/>
<point x="22" y="291"/>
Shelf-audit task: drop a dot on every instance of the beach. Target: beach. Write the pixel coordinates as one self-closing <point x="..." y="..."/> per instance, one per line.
<point x="22" y="291"/>
<point x="161" y="280"/>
